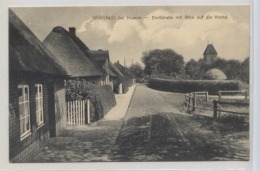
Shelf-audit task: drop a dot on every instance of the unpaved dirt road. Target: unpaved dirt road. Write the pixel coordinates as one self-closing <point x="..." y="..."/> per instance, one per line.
<point x="155" y="130"/>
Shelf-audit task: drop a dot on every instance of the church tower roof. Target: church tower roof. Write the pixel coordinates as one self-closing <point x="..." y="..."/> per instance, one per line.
<point x="210" y="50"/>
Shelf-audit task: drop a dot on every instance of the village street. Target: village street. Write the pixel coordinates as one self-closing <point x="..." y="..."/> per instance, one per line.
<point x="152" y="129"/>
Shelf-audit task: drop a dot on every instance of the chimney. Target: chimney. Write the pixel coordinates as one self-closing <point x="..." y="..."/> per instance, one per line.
<point x="72" y="30"/>
<point x="118" y="62"/>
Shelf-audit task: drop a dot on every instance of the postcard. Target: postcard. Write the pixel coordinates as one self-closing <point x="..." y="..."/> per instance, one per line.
<point x="128" y="84"/>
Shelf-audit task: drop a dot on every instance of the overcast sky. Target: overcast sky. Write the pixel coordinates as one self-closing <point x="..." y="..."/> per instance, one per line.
<point x="130" y="38"/>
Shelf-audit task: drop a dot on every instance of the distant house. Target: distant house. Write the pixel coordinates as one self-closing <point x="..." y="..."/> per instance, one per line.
<point x="70" y="52"/>
<point x="36" y="92"/>
<point x="210" y="54"/>
<point x="128" y="79"/>
<point x="101" y="58"/>
<point x="118" y="79"/>
<point x="125" y="71"/>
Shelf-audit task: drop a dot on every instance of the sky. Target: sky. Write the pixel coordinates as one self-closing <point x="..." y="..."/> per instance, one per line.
<point x="228" y="29"/>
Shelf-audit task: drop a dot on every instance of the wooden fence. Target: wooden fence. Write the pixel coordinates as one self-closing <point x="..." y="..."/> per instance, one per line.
<point x="242" y="93"/>
<point x="217" y="111"/>
<point x="190" y="99"/>
<point x="190" y="103"/>
<point x="78" y="112"/>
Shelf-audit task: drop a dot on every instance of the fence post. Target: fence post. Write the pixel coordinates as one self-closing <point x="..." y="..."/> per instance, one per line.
<point x="185" y="100"/>
<point x="68" y="113"/>
<point x="88" y="112"/>
<point x="83" y="111"/>
<point x="194" y="102"/>
<point x="219" y="94"/>
<point x="71" y="112"/>
<point x="215" y="107"/>
<point x="189" y="101"/>
<point x="207" y="96"/>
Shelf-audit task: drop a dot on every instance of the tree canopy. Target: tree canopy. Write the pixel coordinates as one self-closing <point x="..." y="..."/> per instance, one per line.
<point x="163" y="61"/>
<point x="233" y="69"/>
<point x="137" y="70"/>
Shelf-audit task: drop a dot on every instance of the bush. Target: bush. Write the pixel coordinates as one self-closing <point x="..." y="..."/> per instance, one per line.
<point x="232" y="123"/>
<point x="126" y="84"/>
<point x="102" y="98"/>
<point x="186" y="86"/>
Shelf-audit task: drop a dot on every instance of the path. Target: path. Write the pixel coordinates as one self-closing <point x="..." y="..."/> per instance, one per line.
<point x="87" y="142"/>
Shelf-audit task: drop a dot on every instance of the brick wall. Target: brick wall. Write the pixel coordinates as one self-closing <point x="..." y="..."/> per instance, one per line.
<point x="20" y="150"/>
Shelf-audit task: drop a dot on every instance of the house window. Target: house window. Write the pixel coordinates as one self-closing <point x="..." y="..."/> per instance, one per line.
<point x="24" y="110"/>
<point x="39" y="104"/>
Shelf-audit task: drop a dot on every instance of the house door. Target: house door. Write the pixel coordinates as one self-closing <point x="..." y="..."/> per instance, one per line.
<point x="51" y="108"/>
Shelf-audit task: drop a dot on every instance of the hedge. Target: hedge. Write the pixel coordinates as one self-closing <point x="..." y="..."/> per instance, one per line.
<point x="126" y="83"/>
<point x="186" y="86"/>
<point x="102" y="98"/>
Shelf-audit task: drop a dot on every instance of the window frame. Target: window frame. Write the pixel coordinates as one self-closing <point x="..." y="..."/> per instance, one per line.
<point x="39" y="107"/>
<point x="27" y="114"/>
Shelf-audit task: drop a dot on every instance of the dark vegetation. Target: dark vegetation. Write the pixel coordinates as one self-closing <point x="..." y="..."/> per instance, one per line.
<point x="102" y="98"/>
<point x="233" y="69"/>
<point x="168" y="64"/>
<point x="229" y="123"/>
<point x="163" y="62"/>
<point x="127" y="81"/>
<point x="186" y="86"/>
<point x="137" y="71"/>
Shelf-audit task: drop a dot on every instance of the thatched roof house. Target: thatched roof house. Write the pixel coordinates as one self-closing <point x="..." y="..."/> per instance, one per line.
<point x="27" y="53"/>
<point x="215" y="74"/>
<point x="115" y="70"/>
<point x="70" y="52"/>
<point x="36" y="87"/>
<point x="125" y="71"/>
<point x="101" y="57"/>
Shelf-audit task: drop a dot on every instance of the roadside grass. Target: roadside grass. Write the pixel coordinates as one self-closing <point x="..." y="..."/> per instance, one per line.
<point x="225" y="138"/>
<point x="193" y="138"/>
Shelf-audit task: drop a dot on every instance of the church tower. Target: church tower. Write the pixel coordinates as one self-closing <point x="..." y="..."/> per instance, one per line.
<point x="210" y="54"/>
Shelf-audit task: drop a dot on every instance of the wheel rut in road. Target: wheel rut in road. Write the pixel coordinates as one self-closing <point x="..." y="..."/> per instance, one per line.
<point x="149" y="133"/>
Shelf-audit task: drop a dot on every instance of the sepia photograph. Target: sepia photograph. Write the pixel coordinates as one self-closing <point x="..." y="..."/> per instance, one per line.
<point x="129" y="84"/>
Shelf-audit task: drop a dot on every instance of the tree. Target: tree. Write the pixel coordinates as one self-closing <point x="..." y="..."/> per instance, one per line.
<point x="192" y="69"/>
<point x="137" y="70"/>
<point x="147" y="70"/>
<point x="245" y="71"/>
<point x="163" y="61"/>
<point x="233" y="70"/>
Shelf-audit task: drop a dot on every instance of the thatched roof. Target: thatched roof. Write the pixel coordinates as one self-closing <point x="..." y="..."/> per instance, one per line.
<point x="115" y="70"/>
<point x="26" y="52"/>
<point x="69" y="54"/>
<point x="101" y="58"/>
<point x="210" y="50"/>
<point x="125" y="71"/>
<point x="215" y="74"/>
<point x="99" y="55"/>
